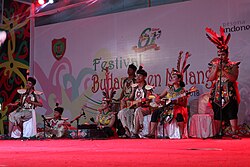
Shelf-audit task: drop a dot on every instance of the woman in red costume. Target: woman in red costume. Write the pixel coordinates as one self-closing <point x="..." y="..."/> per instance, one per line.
<point x="176" y="109"/>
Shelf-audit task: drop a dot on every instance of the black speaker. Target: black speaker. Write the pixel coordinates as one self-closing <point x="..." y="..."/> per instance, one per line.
<point x="88" y="132"/>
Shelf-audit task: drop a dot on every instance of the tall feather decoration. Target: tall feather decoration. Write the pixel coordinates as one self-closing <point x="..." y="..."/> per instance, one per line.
<point x="222" y="35"/>
<point x="221" y="40"/>
<point x="112" y="93"/>
<point x="227" y="39"/>
<point x="214" y="40"/>
<point x="184" y="62"/>
<point x="107" y="82"/>
<point x="104" y="94"/>
<point x="179" y="61"/>
<point x="211" y="32"/>
<point x="108" y="95"/>
<point x="185" y="69"/>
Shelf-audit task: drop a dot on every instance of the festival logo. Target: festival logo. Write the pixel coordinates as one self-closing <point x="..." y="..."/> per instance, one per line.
<point x="58" y="47"/>
<point x="147" y="40"/>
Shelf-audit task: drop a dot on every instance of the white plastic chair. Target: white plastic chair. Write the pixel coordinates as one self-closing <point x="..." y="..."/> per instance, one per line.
<point x="201" y="124"/>
<point x="29" y="128"/>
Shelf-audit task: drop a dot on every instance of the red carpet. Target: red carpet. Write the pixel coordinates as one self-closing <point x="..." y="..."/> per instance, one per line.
<point x="125" y="152"/>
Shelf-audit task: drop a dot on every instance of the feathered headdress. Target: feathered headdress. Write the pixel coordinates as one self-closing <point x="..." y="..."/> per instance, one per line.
<point x="108" y="92"/>
<point x="180" y="70"/>
<point x="221" y="40"/>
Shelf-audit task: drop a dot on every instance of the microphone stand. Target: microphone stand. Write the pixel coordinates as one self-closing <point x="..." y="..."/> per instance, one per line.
<point x="163" y="121"/>
<point x="77" y="122"/>
<point x="44" y="135"/>
<point x="220" y="97"/>
<point x="163" y="118"/>
<point x="44" y="125"/>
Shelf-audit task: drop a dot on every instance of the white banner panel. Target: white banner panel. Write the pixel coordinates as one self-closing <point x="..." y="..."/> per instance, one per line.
<point x="70" y="57"/>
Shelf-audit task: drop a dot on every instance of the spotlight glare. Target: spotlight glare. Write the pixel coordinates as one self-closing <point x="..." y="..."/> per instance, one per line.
<point x="41" y="2"/>
<point x="51" y="1"/>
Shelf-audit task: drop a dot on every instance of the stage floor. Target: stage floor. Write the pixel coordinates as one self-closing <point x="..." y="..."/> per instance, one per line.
<point x="125" y="152"/>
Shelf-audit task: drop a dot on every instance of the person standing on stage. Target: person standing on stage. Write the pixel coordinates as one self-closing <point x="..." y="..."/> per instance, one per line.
<point x="176" y="109"/>
<point x="132" y="116"/>
<point x="126" y="86"/>
<point x="30" y="99"/>
<point x="224" y="73"/>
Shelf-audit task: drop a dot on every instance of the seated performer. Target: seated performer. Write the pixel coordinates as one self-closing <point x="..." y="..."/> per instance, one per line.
<point x="176" y="109"/>
<point x="126" y="88"/>
<point x="126" y="92"/>
<point x="224" y="74"/>
<point x="132" y="118"/>
<point x="30" y="99"/>
<point x="57" y="126"/>
<point x="106" y="118"/>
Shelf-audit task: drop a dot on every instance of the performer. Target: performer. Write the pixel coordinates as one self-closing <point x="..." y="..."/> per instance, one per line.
<point x="30" y="99"/>
<point x="225" y="96"/>
<point x="106" y="118"/>
<point x="132" y="118"/>
<point x="57" y="126"/>
<point x="126" y="92"/>
<point x="176" y="109"/>
<point x="126" y="88"/>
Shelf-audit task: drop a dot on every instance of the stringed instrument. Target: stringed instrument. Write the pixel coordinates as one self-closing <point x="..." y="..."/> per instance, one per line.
<point x="55" y="127"/>
<point x="131" y="104"/>
<point x="168" y="114"/>
<point x="22" y="102"/>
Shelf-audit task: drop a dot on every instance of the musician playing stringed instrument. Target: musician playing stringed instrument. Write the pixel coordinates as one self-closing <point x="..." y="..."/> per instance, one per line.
<point x="126" y="88"/>
<point x="56" y="127"/>
<point x="132" y="117"/>
<point x="30" y="99"/>
<point x="177" y="107"/>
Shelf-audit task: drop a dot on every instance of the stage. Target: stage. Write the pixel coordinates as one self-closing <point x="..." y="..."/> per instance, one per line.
<point x="125" y="152"/>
